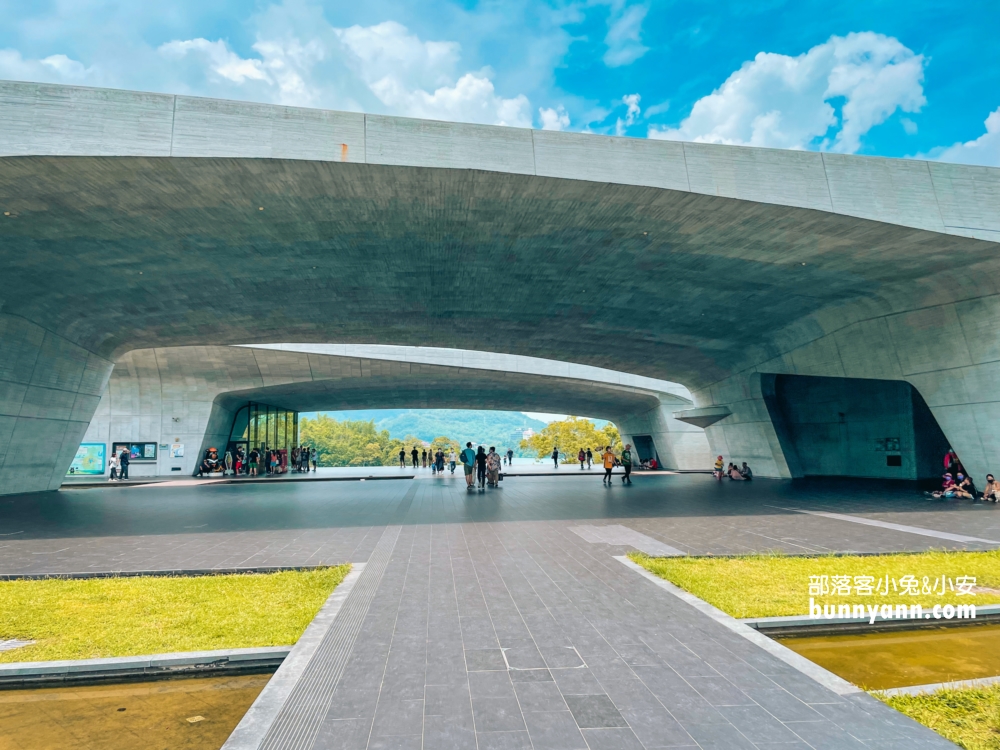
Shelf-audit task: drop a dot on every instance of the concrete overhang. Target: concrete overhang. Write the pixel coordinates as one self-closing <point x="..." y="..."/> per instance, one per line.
<point x="703" y="417"/>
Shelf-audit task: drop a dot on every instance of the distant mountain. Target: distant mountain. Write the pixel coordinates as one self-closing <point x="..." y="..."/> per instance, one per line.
<point x="488" y="427"/>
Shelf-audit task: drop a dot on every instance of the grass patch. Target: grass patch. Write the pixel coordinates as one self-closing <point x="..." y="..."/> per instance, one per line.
<point x="102" y="617"/>
<point x="969" y="717"/>
<point x="776" y="585"/>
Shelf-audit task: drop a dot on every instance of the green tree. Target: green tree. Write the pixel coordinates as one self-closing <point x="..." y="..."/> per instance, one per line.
<point x="445" y="445"/>
<point x="348" y="443"/>
<point x="570" y="435"/>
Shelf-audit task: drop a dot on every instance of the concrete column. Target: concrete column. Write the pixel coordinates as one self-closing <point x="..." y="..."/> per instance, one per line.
<point x="679" y="445"/>
<point x="49" y="390"/>
<point x="751" y="432"/>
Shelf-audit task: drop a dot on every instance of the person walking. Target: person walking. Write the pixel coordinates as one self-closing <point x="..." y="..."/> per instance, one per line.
<point x="555" y="456"/>
<point x="423" y="458"/>
<point x="582" y="458"/>
<point x="402" y="458"/>
<point x="718" y="468"/>
<point x="439" y="461"/>
<point x="590" y="460"/>
<point x="510" y="457"/>
<point x="627" y="464"/>
<point x="481" y="467"/>
<point x="451" y="460"/>
<point x="113" y="465"/>
<point x="415" y="455"/>
<point x="609" y="464"/>
<point x="123" y="459"/>
<point x="469" y="465"/>
<point x="493" y="465"/>
<point x="254" y="459"/>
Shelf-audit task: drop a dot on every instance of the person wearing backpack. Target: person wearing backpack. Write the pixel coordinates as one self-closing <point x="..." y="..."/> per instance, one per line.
<point x="469" y="464"/>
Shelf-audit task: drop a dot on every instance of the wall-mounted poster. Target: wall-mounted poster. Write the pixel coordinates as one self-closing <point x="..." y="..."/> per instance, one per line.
<point x="177" y="450"/>
<point x="89" y="459"/>
<point x="137" y="451"/>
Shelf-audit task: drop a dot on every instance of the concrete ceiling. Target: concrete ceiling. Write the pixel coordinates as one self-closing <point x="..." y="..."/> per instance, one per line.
<point x="122" y="253"/>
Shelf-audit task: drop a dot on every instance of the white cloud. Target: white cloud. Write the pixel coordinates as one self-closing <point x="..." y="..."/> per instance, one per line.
<point x="624" y="37"/>
<point x="554" y="119"/>
<point x="306" y="62"/>
<point x="984" y="150"/>
<point x="631" y="101"/>
<point x="52" y="69"/>
<point x="785" y="102"/>
<point x="909" y="126"/>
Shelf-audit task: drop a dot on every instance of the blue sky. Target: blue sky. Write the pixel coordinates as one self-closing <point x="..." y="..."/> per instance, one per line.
<point x="880" y="77"/>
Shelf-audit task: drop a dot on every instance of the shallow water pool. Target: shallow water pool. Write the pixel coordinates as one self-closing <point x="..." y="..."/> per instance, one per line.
<point x="183" y="714"/>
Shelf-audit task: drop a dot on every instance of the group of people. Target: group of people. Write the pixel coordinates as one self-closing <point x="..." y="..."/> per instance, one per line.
<point x="438" y="460"/>
<point x="482" y="467"/>
<point x="956" y="482"/>
<point x="610" y="461"/>
<point x="272" y="461"/>
<point x="734" y="472"/>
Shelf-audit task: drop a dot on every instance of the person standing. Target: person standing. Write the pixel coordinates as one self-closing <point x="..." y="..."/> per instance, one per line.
<point x="452" y="458"/>
<point x="609" y="464"/>
<point x="555" y="456"/>
<point x="254" y="459"/>
<point x="469" y="464"/>
<point x="423" y="458"/>
<point x="627" y="464"/>
<point x="439" y="461"/>
<point x="590" y="459"/>
<point x="402" y="458"/>
<point x="113" y="465"/>
<point x="582" y="458"/>
<point x="493" y="464"/>
<point x="718" y="468"/>
<point x="481" y="467"/>
<point x="510" y="457"/>
<point x="415" y="456"/>
<point x="123" y="459"/>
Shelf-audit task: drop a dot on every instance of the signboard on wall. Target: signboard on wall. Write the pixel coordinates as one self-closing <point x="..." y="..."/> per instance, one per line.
<point x="89" y="459"/>
<point x="136" y="451"/>
<point x="177" y="450"/>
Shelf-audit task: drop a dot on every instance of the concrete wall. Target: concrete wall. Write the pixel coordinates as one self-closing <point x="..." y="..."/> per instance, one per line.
<point x="679" y="445"/>
<point x="949" y="352"/>
<point x="839" y="427"/>
<point x="49" y="388"/>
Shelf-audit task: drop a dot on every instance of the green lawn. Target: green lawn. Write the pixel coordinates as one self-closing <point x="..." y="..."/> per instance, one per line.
<point x="101" y="617"/>
<point x="775" y="585"/>
<point x="969" y="717"/>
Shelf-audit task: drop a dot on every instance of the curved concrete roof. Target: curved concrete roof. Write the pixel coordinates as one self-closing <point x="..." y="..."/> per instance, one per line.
<point x="675" y="261"/>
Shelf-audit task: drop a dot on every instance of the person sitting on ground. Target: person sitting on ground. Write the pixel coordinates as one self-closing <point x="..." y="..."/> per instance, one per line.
<point x="745" y="472"/>
<point x="964" y="487"/>
<point x="991" y="492"/>
<point x="734" y="472"/>
<point x="717" y="473"/>
<point x="947" y="487"/>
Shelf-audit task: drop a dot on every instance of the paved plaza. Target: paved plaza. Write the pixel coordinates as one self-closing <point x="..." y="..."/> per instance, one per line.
<point x="487" y="620"/>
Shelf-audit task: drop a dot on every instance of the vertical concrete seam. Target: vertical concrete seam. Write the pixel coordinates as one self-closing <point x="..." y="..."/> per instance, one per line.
<point x="364" y="136"/>
<point x="826" y="176"/>
<point x="937" y="202"/>
<point x="687" y="172"/>
<point x="173" y="119"/>
<point x="534" y="159"/>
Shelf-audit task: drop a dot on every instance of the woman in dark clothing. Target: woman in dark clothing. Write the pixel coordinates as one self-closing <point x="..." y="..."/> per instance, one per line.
<point x="481" y="466"/>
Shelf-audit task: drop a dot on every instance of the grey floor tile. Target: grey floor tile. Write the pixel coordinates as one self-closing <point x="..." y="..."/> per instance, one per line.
<point x="825" y="735"/>
<point x="639" y="655"/>
<point x="784" y="706"/>
<point x="554" y="730"/>
<point x="344" y="734"/>
<point x="539" y="696"/>
<point x="558" y="657"/>
<point x="576" y="682"/>
<point x="396" y="742"/>
<point x="399" y="717"/>
<point x="594" y="711"/>
<point x="757" y="724"/>
<point x="524" y="657"/>
<point x="719" y="692"/>
<point x="504" y="740"/>
<point x="612" y="739"/>
<point x="492" y="684"/>
<point x="719" y="737"/>
<point x="442" y="733"/>
<point x="447" y="700"/>
<point x="530" y="675"/>
<point x="497" y="714"/>
<point x="655" y="727"/>
<point x="480" y="660"/>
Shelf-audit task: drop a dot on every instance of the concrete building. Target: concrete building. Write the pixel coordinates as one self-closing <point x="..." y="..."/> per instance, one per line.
<point x="139" y="221"/>
<point x="192" y="396"/>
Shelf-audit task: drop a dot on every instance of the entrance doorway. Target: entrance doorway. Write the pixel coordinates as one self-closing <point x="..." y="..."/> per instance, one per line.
<point x="645" y="449"/>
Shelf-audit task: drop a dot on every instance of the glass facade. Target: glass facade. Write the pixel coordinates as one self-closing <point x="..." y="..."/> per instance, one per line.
<point x="266" y="428"/>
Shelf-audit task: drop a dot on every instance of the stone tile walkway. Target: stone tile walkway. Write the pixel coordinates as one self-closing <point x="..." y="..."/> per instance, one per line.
<point x="492" y="625"/>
